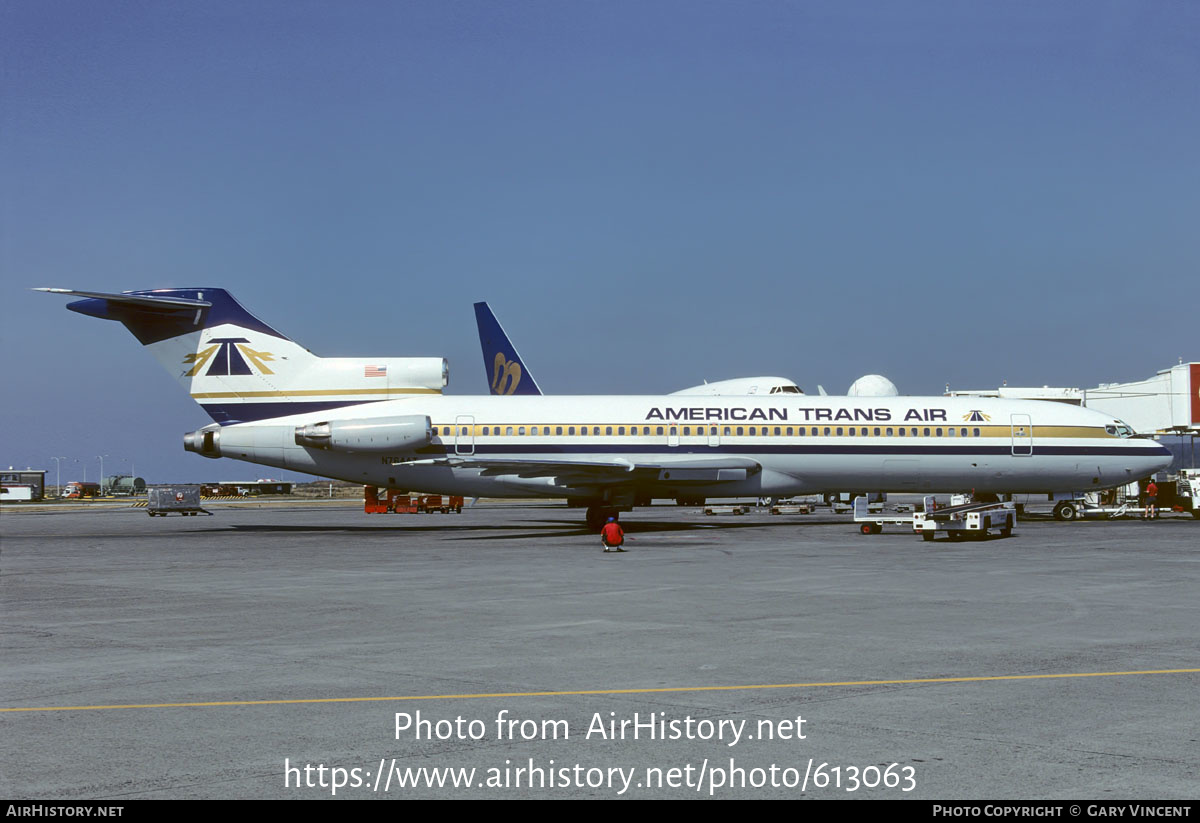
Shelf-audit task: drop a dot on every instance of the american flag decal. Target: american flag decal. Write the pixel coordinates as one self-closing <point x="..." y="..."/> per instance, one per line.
<point x="374" y="371"/>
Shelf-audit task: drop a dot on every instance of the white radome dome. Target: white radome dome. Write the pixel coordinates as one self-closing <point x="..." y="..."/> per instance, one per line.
<point x="873" y="385"/>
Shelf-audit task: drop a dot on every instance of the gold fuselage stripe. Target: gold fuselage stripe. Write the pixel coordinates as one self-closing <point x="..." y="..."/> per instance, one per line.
<point x="211" y="395"/>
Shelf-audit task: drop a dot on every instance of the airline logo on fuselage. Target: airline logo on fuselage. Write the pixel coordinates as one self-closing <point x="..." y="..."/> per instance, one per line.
<point x="804" y="414"/>
<point x="976" y="416"/>
<point x="228" y="356"/>
<point x="506" y="375"/>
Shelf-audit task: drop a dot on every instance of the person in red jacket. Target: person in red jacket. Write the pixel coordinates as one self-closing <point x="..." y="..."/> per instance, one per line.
<point x="612" y="536"/>
<point x="1151" y="511"/>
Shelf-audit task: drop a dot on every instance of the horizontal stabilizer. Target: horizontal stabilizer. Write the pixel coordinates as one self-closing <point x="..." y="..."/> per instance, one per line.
<point x="147" y="300"/>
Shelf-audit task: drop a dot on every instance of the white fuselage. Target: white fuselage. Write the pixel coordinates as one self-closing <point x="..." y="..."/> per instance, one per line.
<point x="800" y="444"/>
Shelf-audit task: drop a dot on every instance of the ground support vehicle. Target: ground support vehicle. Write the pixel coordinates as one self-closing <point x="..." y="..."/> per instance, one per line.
<point x="1181" y="494"/>
<point x="872" y="522"/>
<point x="184" y="500"/>
<point x="966" y="520"/>
<point x="395" y="501"/>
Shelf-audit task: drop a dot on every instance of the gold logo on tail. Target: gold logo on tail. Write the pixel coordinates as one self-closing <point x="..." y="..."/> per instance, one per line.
<point x="506" y="375"/>
<point x="231" y="356"/>
<point x="199" y="358"/>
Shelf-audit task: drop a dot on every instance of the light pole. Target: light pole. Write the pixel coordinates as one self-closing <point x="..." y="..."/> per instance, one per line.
<point x="58" y="475"/>
<point x="101" y="457"/>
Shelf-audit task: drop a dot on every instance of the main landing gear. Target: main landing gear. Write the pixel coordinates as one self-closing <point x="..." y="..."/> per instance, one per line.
<point x="597" y="516"/>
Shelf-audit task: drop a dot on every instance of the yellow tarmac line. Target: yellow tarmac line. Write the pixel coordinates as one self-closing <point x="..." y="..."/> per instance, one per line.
<point x="493" y="695"/>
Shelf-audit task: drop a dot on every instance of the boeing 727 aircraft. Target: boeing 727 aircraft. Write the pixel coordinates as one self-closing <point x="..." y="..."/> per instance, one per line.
<point x="384" y="422"/>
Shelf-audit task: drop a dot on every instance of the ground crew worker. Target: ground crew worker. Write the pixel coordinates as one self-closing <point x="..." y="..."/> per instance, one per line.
<point x="612" y="536"/>
<point x="1151" y="501"/>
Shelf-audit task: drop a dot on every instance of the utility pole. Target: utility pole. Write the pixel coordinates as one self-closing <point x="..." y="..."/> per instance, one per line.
<point x="58" y="475"/>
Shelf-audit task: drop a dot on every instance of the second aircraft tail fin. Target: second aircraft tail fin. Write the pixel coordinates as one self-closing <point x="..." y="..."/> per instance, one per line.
<point x="506" y="374"/>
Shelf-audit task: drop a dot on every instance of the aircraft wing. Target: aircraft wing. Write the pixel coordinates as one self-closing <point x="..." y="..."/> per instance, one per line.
<point x="617" y="471"/>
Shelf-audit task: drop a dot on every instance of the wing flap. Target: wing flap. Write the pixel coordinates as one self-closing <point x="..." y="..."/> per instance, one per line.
<point x="682" y="469"/>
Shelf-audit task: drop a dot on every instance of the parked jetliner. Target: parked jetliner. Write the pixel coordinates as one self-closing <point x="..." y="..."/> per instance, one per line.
<point x="508" y="374"/>
<point x="384" y="422"/>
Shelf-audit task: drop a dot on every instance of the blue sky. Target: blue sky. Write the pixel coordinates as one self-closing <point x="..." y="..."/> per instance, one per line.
<point x="650" y="194"/>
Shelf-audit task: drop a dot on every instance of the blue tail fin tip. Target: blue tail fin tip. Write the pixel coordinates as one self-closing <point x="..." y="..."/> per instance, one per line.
<point x="504" y="370"/>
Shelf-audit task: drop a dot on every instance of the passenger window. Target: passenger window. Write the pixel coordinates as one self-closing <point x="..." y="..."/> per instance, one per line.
<point x="939" y="432"/>
<point x="754" y="429"/>
<point x="951" y="431"/>
<point x="712" y="431"/>
<point x="876" y="431"/>
<point x="974" y="432"/>
<point x="778" y="431"/>
<point x="827" y="431"/>
<point x="727" y="431"/>
<point x="621" y="430"/>
<point x="900" y="431"/>
<point x="789" y="431"/>
<point x="926" y="432"/>
<point x="508" y="430"/>
<point x="839" y="431"/>
<point x="464" y="430"/>
<point x="608" y="429"/>
<point x="521" y="430"/>
<point x="814" y="431"/>
<point x="851" y="432"/>
<point x="687" y="429"/>
<point x="740" y="430"/>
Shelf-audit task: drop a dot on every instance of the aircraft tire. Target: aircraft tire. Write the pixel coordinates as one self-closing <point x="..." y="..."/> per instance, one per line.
<point x="597" y="516"/>
<point x="1065" y="512"/>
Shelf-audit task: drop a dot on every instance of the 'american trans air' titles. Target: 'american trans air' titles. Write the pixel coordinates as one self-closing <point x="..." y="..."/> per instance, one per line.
<point x="804" y="413"/>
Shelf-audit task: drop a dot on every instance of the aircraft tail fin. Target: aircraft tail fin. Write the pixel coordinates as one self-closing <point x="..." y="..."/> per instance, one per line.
<point x="506" y="373"/>
<point x="240" y="369"/>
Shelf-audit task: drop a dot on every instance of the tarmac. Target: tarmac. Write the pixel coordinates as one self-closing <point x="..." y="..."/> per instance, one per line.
<point x="277" y="652"/>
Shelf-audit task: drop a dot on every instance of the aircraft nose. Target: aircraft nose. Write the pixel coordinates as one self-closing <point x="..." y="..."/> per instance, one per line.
<point x="1161" y="459"/>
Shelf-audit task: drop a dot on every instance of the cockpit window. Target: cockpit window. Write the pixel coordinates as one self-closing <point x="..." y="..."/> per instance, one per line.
<point x="786" y="390"/>
<point x="1119" y="428"/>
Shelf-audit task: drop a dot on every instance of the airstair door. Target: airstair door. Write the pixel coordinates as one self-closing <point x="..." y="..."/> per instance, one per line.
<point x="464" y="434"/>
<point x="1022" y="435"/>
